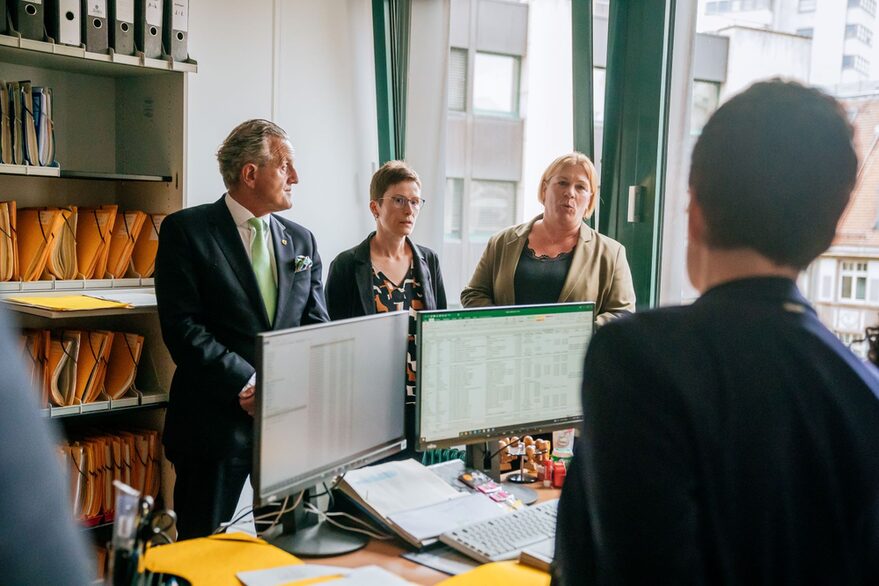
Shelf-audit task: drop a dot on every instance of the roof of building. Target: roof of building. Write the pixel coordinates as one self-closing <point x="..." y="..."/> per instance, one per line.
<point x="858" y="226"/>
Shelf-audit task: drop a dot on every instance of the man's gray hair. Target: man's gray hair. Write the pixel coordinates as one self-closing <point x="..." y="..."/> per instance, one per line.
<point x="247" y="143"/>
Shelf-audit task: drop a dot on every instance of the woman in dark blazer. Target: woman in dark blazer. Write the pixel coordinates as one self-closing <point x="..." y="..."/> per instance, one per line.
<point x="387" y="271"/>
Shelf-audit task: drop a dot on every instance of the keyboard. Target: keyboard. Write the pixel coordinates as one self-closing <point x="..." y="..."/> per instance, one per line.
<point x="502" y="538"/>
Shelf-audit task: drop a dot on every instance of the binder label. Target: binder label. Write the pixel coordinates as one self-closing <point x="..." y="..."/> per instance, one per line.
<point x="125" y="10"/>
<point x="180" y="20"/>
<point x="97" y="8"/>
<point x="153" y="12"/>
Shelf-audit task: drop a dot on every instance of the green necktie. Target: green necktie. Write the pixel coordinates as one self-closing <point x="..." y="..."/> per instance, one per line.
<point x="262" y="267"/>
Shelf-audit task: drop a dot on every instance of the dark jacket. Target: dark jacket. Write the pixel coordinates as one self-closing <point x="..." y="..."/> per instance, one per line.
<point x="349" y="284"/>
<point x="733" y="441"/>
<point x="210" y="310"/>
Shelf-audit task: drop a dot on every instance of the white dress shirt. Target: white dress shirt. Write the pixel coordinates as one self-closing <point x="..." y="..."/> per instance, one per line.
<point x="240" y="215"/>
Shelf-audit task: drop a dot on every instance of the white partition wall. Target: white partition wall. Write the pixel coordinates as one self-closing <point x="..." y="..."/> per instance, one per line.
<point x="308" y="66"/>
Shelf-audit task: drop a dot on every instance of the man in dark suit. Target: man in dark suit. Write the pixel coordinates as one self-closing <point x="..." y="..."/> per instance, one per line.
<point x="224" y="272"/>
<point x="736" y="440"/>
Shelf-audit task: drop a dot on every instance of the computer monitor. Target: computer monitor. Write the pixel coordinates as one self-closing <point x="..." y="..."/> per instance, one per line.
<point x="494" y="372"/>
<point x="330" y="398"/>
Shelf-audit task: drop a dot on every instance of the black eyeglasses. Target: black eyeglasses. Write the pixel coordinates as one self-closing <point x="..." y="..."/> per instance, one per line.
<point x="400" y="202"/>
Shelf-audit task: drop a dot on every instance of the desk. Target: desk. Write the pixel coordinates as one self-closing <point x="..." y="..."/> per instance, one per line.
<point x="387" y="554"/>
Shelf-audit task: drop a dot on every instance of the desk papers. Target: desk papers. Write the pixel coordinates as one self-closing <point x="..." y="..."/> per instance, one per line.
<point x="291" y="575"/>
<point x="413" y="502"/>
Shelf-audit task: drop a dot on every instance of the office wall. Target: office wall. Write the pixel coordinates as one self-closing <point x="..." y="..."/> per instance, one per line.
<point x="308" y="66"/>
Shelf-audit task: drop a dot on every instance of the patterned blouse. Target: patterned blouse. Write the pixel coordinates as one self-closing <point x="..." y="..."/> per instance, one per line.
<point x="408" y="295"/>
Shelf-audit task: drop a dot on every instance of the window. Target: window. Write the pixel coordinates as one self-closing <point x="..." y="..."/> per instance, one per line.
<point x="857" y="343"/>
<point x="869" y="6"/>
<point x="806" y="5"/>
<point x="706" y="96"/>
<point x="458" y="79"/>
<point x="808" y="32"/>
<point x="492" y="207"/>
<point x="453" y="204"/>
<point x="599" y="76"/>
<point x="859" y="32"/>
<point x="496" y="84"/>
<point x="856" y="63"/>
<point x="853" y="281"/>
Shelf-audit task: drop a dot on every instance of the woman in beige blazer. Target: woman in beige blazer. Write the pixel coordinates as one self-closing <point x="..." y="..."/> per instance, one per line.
<point x="556" y="257"/>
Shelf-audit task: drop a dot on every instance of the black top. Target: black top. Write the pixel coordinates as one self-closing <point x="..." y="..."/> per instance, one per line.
<point x="539" y="279"/>
<point x="732" y="441"/>
<point x="349" y="284"/>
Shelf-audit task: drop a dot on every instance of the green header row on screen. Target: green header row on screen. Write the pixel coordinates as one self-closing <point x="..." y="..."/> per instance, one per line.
<point x="511" y="311"/>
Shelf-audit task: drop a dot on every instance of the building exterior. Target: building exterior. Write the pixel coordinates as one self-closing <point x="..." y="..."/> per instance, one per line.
<point x="843" y="283"/>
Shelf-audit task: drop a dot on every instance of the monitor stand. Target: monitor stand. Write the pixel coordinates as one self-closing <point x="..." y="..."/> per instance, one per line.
<point x="476" y="456"/>
<point x="313" y="537"/>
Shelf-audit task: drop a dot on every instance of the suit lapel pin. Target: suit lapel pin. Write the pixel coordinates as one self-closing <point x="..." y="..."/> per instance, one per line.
<point x="284" y="242"/>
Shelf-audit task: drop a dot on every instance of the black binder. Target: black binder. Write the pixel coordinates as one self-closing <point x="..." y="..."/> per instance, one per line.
<point x="94" y="25"/>
<point x="27" y="18"/>
<point x="63" y="21"/>
<point x="176" y="25"/>
<point x="121" y="26"/>
<point x="148" y="27"/>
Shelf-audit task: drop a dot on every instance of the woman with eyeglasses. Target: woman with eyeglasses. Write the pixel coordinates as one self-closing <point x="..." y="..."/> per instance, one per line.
<point x="556" y="257"/>
<point x="387" y="271"/>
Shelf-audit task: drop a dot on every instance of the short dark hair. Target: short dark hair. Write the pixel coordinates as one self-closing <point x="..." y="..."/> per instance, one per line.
<point x="247" y="143"/>
<point x="391" y="173"/>
<point x="773" y="171"/>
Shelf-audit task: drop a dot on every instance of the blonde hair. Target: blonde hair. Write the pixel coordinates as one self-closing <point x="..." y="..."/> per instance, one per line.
<point x="575" y="159"/>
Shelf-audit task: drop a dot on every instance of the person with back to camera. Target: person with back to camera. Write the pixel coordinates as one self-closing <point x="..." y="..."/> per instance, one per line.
<point x="387" y="271"/>
<point x="735" y="440"/>
<point x="556" y="257"/>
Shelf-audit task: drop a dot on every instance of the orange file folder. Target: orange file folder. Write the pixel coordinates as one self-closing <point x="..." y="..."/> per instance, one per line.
<point x="62" y="256"/>
<point x="143" y="258"/>
<point x="125" y="232"/>
<point x="122" y="367"/>
<point x="37" y="231"/>
<point x="93" y="229"/>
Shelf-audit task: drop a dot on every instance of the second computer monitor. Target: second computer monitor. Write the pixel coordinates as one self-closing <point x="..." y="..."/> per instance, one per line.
<point x="498" y="371"/>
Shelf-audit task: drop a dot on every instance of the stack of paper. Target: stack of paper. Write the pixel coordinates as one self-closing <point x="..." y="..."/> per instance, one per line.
<point x="125" y="233"/>
<point x="143" y="258"/>
<point x="414" y="502"/>
<point x="45" y="125"/>
<point x="8" y="241"/>
<point x="93" y="230"/>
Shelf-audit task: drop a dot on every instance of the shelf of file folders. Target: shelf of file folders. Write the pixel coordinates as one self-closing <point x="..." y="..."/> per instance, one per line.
<point x="37" y="51"/>
<point x="80" y="372"/>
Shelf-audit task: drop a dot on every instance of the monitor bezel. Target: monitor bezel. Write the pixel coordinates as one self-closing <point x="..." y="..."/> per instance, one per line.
<point x="479" y="436"/>
<point x="367" y="456"/>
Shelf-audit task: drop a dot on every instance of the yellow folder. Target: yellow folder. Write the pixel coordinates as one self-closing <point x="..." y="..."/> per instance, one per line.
<point x="122" y="367"/>
<point x="93" y="229"/>
<point x="500" y="573"/>
<point x="143" y="258"/>
<point x="37" y="230"/>
<point x="61" y="263"/>
<point x="36" y="361"/>
<point x="125" y="232"/>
